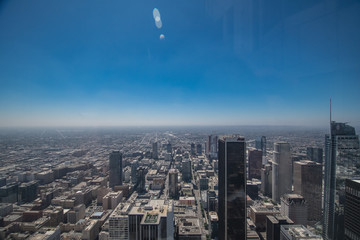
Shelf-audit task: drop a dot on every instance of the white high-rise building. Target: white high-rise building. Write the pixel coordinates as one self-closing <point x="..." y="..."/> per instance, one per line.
<point x="281" y="170"/>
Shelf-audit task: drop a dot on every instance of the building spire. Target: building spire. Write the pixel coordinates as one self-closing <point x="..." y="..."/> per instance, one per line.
<point x="330" y="111"/>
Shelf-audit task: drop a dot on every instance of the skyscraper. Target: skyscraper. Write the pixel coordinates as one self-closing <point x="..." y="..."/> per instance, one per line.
<point x="315" y="154"/>
<point x="134" y="166"/>
<point x="255" y="163"/>
<point x="266" y="180"/>
<point x="232" y="188"/>
<point x="192" y="149"/>
<point x="141" y="173"/>
<point x="199" y="149"/>
<point x="308" y="183"/>
<point x="115" y="166"/>
<point x="173" y="183"/>
<point x="260" y="144"/>
<point x="155" y="154"/>
<point x="168" y="148"/>
<point x="186" y="170"/>
<point x="341" y="159"/>
<point x="352" y="209"/>
<point x="212" y="146"/>
<point x="281" y="170"/>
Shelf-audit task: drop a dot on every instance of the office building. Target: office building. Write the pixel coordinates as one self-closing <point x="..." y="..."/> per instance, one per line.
<point x="119" y="223"/>
<point x="297" y="232"/>
<point x="266" y="180"/>
<point x="111" y="200"/>
<point x="308" y="183"/>
<point x="294" y="207"/>
<point x="115" y="166"/>
<point x="352" y="209"/>
<point x="212" y="201"/>
<point x="134" y="166"/>
<point x="155" y="153"/>
<point x="281" y="171"/>
<point x="155" y="220"/>
<point x="192" y="149"/>
<point x="169" y="148"/>
<point x="5" y="209"/>
<point x="140" y="183"/>
<point x="255" y="163"/>
<point x="173" y="183"/>
<point x="186" y="170"/>
<point x="260" y="144"/>
<point x="9" y="193"/>
<point x="341" y="159"/>
<point x="73" y="216"/>
<point x="232" y="188"/>
<point x="315" y="154"/>
<point x="27" y="192"/>
<point x="91" y="231"/>
<point x="203" y="182"/>
<point x="214" y="221"/>
<point x="258" y="214"/>
<point x="252" y="190"/>
<point x="273" y="224"/>
<point x="212" y="146"/>
<point x="199" y="149"/>
<point x="189" y="228"/>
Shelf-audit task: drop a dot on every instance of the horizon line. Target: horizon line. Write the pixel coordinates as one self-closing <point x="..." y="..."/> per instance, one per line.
<point x="162" y="126"/>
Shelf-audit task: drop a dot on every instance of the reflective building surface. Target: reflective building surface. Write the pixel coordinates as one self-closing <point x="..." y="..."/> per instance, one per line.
<point x="232" y="188"/>
<point x="341" y="162"/>
<point x="115" y="169"/>
<point x="352" y="209"/>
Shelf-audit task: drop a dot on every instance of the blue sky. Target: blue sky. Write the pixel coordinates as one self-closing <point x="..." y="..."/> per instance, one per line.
<point x="93" y="63"/>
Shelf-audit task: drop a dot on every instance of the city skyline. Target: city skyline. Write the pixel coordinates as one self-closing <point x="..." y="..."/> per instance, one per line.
<point x="176" y="188"/>
<point x="104" y="64"/>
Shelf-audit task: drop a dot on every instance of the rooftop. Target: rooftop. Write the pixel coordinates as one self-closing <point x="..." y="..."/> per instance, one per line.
<point x="189" y="226"/>
<point x="151" y="218"/>
<point x="298" y="232"/>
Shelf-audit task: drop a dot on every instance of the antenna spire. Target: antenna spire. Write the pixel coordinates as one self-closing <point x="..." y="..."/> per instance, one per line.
<point x="330" y="111"/>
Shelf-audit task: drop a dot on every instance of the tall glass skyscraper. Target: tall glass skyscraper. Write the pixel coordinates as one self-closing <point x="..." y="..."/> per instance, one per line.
<point x="260" y="143"/>
<point x="115" y="166"/>
<point x="232" y="188"/>
<point x="341" y="162"/>
<point x="352" y="209"/>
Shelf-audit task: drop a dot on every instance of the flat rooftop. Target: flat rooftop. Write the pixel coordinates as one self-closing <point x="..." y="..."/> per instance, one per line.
<point x="151" y="218"/>
<point x="189" y="226"/>
<point x="299" y="232"/>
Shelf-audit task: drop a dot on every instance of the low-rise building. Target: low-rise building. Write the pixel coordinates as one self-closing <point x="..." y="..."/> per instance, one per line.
<point x="189" y="228"/>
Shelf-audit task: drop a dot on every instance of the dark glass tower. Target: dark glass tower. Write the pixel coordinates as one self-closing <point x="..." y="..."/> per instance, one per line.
<point x="308" y="183"/>
<point x="115" y="166"/>
<point x="255" y="163"/>
<point x="341" y="159"/>
<point x="260" y="143"/>
<point x="352" y="209"/>
<point x="232" y="188"/>
<point x="315" y="154"/>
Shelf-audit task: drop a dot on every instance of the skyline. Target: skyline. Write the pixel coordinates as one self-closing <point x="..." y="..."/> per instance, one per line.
<point x="104" y="64"/>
